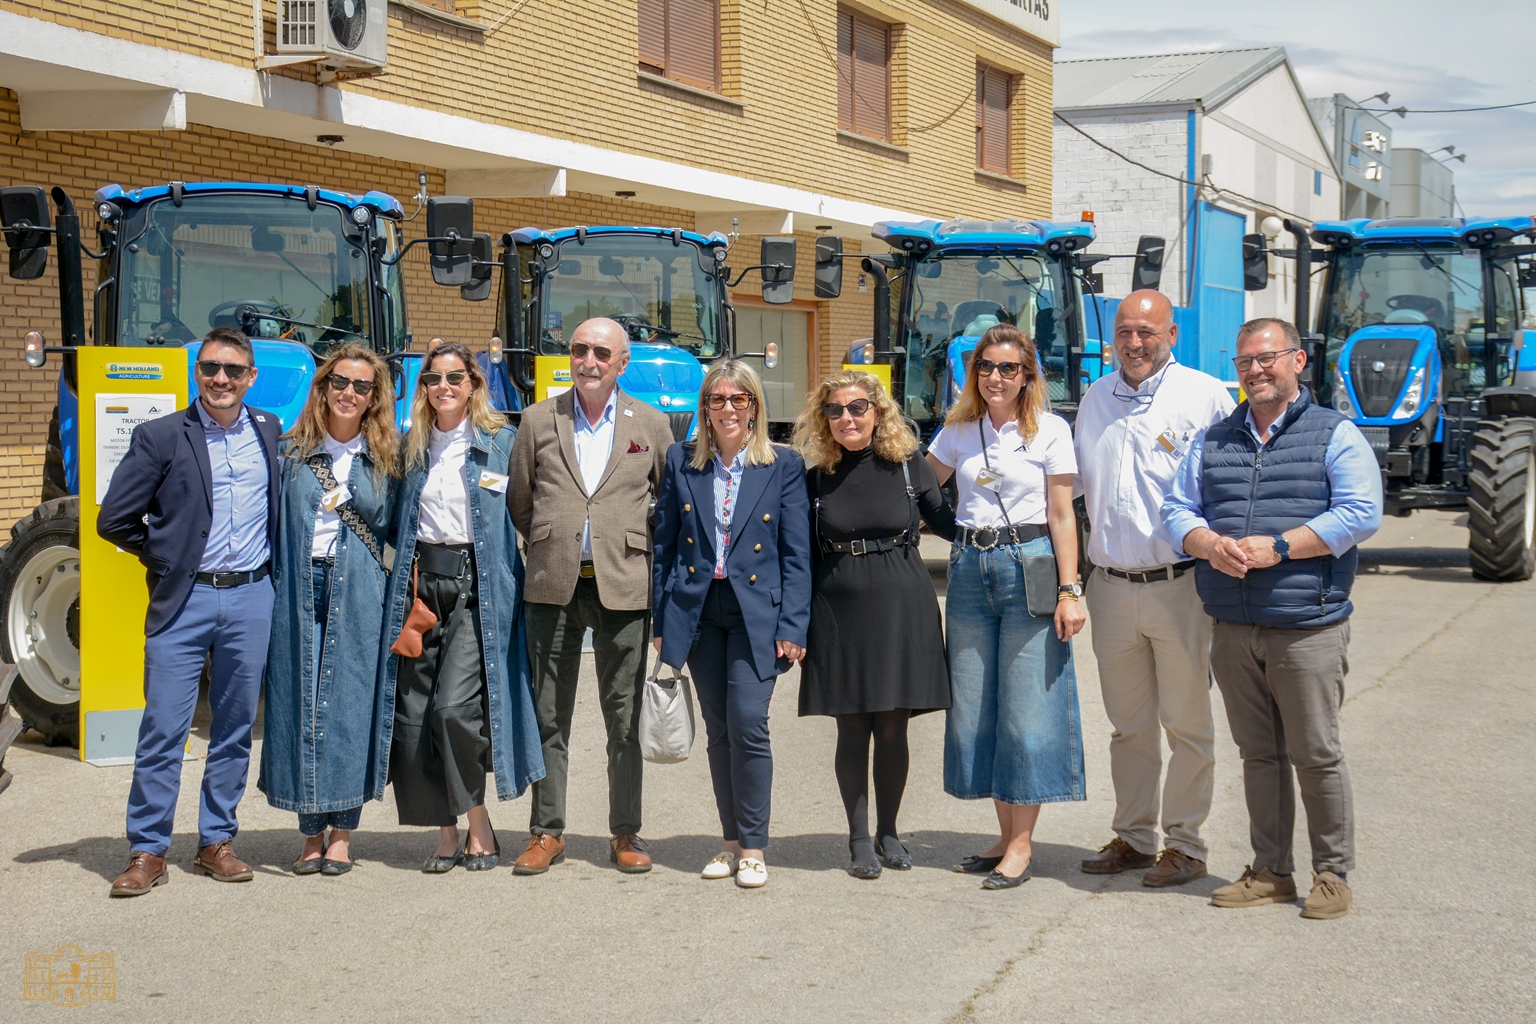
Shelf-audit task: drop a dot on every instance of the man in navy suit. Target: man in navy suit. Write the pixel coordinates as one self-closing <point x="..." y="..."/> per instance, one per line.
<point x="195" y="498"/>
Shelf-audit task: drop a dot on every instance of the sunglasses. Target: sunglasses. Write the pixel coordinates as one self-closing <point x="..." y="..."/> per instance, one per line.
<point x="338" y="383"/>
<point x="580" y="349"/>
<point x="1264" y="359"/>
<point x="431" y="378"/>
<point x="739" y="401"/>
<point x="234" y="371"/>
<point x="1008" y="371"/>
<point x="856" y="408"/>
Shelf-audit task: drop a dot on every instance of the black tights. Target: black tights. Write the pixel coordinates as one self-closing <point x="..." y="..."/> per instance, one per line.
<point x="889" y="729"/>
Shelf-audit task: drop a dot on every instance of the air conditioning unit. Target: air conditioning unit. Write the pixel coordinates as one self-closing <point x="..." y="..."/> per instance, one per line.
<point x="337" y="33"/>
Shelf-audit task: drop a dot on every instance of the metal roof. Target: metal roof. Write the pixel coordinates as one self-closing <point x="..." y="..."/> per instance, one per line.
<point x="1209" y="78"/>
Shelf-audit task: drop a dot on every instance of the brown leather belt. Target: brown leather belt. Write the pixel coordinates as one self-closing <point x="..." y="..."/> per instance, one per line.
<point x="1158" y="575"/>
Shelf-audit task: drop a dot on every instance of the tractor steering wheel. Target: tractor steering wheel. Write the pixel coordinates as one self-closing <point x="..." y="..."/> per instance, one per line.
<point x="227" y="314"/>
<point x="1431" y="308"/>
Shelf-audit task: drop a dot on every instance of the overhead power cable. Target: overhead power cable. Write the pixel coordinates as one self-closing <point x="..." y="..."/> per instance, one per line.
<point x="1450" y="110"/>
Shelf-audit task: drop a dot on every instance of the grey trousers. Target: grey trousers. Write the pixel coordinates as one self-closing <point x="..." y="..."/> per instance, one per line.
<point x="620" y="643"/>
<point x="441" y="749"/>
<point x="1282" y="689"/>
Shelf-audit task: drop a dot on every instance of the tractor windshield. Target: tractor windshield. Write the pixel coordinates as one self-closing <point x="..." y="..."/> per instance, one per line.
<point x="1438" y="285"/>
<point x="959" y="297"/>
<point x="266" y="264"/>
<point x="661" y="291"/>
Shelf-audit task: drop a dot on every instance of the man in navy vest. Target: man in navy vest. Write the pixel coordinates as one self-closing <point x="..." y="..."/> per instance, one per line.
<point x="1273" y="501"/>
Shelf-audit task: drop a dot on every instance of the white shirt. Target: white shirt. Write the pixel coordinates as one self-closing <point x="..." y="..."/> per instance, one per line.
<point x="1022" y="467"/>
<point x="328" y="524"/>
<point x="1130" y="442"/>
<point x="443" y="516"/>
<point x="594" y="444"/>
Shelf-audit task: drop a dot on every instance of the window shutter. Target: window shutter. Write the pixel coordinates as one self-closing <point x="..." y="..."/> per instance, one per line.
<point x="992" y="119"/>
<point x="653" y="36"/>
<point x="692" y="53"/>
<point x="845" y="69"/>
<point x="981" y="115"/>
<point x="871" y="79"/>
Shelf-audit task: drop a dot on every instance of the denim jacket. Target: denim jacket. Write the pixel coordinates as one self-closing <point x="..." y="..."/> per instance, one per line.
<point x="317" y="751"/>
<point x="516" y="752"/>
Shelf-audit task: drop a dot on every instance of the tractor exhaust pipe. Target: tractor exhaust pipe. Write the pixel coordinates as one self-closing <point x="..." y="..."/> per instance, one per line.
<point x="1303" y="313"/>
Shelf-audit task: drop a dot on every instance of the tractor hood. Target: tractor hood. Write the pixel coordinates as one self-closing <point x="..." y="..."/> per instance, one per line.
<point x="283" y="372"/>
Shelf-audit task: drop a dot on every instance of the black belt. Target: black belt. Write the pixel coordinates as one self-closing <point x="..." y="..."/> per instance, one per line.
<point x="224" y="580"/>
<point x="867" y="545"/>
<point x="986" y="538"/>
<point x="1157" y="575"/>
<point x="587" y="572"/>
<point x="451" y="560"/>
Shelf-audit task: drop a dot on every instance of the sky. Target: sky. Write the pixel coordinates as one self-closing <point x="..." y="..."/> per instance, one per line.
<point x="1428" y="55"/>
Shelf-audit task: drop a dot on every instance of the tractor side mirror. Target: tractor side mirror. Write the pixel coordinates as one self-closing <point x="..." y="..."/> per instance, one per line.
<point x="1255" y="263"/>
<point x="778" y="261"/>
<point x="829" y="267"/>
<point x="1148" y="270"/>
<point x="451" y="218"/>
<point x="479" y="289"/>
<point x="21" y="207"/>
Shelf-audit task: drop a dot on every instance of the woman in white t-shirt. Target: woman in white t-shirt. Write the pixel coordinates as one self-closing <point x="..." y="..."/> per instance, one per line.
<point x="1014" y="733"/>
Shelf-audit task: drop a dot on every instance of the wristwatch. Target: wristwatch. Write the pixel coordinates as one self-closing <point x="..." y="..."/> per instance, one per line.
<point x="1283" y="548"/>
<point x="1069" y="590"/>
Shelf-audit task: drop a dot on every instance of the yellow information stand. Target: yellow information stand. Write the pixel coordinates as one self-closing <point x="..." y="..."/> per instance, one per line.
<point x="552" y="376"/>
<point x="880" y="370"/>
<point x="119" y="388"/>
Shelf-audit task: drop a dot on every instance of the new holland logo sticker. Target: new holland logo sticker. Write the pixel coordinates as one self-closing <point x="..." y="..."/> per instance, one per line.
<point x="135" y="371"/>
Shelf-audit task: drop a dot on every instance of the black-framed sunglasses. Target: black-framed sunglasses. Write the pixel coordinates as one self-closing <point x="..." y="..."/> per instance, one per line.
<point x="338" y="383"/>
<point x="1264" y="359"/>
<point x="739" y="401"/>
<point x="1008" y="371"/>
<point x="236" y="372"/>
<point x="856" y="408"/>
<point x="580" y="349"/>
<point x="431" y="378"/>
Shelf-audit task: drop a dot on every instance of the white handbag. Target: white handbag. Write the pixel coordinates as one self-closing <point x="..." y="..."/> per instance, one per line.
<point x="666" y="717"/>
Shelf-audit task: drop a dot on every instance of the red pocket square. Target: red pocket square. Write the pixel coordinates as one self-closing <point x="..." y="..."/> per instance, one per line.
<point x="636" y="448"/>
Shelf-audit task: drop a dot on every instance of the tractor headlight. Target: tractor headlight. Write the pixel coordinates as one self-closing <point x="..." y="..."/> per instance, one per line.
<point x="1413" y="397"/>
<point x="361" y="215"/>
<point x="1341" y="402"/>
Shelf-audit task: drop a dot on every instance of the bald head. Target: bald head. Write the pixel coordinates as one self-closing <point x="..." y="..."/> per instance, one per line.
<point x="599" y="354"/>
<point x="599" y="330"/>
<point x="1144" y="334"/>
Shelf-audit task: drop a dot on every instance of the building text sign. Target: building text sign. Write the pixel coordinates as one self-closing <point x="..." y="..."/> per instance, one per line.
<point x="1040" y="18"/>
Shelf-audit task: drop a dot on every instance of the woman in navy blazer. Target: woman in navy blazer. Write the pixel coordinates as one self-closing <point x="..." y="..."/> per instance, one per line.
<point x="732" y="594"/>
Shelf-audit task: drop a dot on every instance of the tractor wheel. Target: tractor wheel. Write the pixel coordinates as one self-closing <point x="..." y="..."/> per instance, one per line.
<point x="1501" y="499"/>
<point x="55" y="484"/>
<point x="40" y="610"/>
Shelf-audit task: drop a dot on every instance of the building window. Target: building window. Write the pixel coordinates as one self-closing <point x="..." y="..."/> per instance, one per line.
<point x="994" y="118"/>
<point x="680" y="40"/>
<point x="1317" y="183"/>
<point x="863" y="75"/>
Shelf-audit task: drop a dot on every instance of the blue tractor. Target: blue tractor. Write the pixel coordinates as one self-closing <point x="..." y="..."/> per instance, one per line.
<point x="298" y="269"/>
<point x="1420" y="342"/>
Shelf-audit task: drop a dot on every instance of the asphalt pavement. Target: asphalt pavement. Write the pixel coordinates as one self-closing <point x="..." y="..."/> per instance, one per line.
<point x="1437" y="729"/>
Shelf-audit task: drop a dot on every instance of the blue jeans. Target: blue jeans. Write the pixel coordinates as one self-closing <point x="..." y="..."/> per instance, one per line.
<point x="1014" y="733"/>
<point x="235" y="624"/>
<point x="345" y="821"/>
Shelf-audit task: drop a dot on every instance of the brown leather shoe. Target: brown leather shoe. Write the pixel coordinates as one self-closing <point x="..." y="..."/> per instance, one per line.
<point x="1174" y="868"/>
<point x="145" y="871"/>
<point x="628" y="852"/>
<point x="542" y="851"/>
<point x="219" y="863"/>
<point x="1116" y="856"/>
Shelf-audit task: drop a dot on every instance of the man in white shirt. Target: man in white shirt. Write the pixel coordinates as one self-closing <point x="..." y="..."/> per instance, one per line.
<point x="1151" y="635"/>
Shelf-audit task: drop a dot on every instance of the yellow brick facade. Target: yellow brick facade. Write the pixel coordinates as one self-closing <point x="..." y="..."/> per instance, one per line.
<point x="564" y="71"/>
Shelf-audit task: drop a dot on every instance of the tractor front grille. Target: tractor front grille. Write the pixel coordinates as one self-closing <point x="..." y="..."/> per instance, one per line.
<point x="1378" y="368"/>
<point x="680" y="421"/>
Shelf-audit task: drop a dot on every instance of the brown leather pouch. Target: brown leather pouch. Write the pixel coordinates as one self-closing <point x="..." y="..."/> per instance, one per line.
<point x="417" y="621"/>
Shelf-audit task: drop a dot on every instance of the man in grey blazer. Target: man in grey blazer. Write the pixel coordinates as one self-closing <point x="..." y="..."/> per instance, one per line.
<point x="585" y="468"/>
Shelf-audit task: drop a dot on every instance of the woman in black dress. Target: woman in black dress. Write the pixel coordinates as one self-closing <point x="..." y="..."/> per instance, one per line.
<point x="875" y="653"/>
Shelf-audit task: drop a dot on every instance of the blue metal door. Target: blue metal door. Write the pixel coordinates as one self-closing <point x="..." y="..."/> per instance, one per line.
<point x="1218" y="292"/>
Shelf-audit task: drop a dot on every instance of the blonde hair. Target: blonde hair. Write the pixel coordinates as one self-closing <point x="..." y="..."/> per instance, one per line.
<point x="892" y="441"/>
<point x="423" y="416"/>
<point x="378" y="426"/>
<point x="1031" y="405"/>
<point x="759" y="451"/>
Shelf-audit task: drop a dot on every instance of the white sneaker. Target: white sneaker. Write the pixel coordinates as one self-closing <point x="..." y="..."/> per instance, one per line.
<point x="750" y="874"/>
<point x="721" y="865"/>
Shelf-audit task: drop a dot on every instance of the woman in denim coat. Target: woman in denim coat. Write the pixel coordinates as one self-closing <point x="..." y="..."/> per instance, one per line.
<point x="437" y="768"/>
<point x="322" y="683"/>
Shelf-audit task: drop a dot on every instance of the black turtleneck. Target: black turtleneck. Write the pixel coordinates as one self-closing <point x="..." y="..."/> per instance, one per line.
<point x="865" y="496"/>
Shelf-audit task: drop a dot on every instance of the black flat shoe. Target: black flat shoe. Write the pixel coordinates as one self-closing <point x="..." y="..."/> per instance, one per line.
<point x="864" y="864"/>
<point x="436" y="865"/>
<point x="975" y="864"/>
<point x="483" y="861"/>
<point x="335" y="867"/>
<point x="311" y="866"/>
<point x="998" y="880"/>
<point x="893" y="854"/>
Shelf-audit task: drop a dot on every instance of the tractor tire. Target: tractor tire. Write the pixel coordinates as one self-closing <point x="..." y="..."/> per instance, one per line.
<point x="55" y="484"/>
<point x="40" y="614"/>
<point x="1501" y="499"/>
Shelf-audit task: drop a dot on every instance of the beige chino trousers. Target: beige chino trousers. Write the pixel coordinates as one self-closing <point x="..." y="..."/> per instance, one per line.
<point x="1153" y="645"/>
